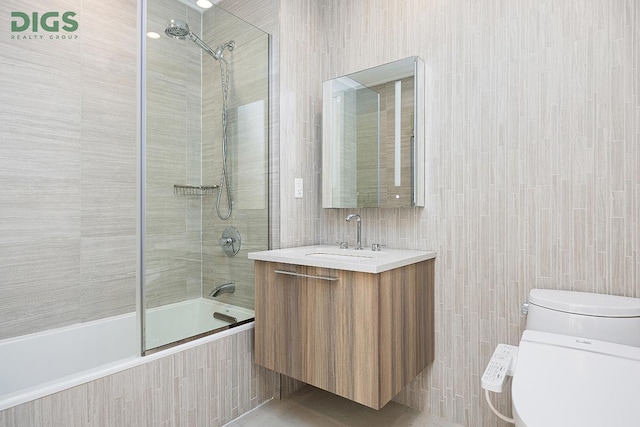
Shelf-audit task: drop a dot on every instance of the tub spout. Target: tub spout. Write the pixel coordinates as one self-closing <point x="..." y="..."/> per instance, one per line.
<point x="227" y="288"/>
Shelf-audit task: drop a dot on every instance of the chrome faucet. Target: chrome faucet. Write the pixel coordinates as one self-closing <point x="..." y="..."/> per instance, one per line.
<point x="227" y="288"/>
<point x="359" y="229"/>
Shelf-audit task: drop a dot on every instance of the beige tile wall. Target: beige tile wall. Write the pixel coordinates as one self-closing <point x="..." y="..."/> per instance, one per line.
<point x="208" y="385"/>
<point x="173" y="146"/>
<point x="68" y="168"/>
<point x="532" y="127"/>
<point x="302" y="36"/>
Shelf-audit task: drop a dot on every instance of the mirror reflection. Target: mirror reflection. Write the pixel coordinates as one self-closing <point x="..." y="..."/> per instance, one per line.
<point x="373" y="143"/>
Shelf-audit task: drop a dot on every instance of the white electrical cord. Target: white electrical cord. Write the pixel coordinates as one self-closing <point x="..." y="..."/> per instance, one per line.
<point x="495" y="411"/>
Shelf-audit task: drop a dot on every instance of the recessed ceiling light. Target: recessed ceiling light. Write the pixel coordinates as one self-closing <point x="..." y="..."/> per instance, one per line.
<point x="153" y="35"/>
<point x="205" y="4"/>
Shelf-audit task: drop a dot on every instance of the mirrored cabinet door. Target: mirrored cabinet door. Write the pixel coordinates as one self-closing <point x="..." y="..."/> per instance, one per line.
<point x="373" y="139"/>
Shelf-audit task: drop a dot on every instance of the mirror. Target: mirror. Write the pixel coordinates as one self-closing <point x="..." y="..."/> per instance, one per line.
<point x="373" y="137"/>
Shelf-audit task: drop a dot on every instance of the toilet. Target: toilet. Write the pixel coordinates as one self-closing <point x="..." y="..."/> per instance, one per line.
<point x="578" y="361"/>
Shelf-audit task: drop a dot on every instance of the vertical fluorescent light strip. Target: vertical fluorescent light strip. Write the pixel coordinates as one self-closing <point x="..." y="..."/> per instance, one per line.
<point x="398" y="133"/>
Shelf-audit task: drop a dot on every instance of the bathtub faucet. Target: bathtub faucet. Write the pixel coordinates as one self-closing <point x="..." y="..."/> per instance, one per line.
<point x="227" y="288"/>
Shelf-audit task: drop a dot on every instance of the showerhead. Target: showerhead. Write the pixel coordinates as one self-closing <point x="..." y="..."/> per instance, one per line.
<point x="177" y="29"/>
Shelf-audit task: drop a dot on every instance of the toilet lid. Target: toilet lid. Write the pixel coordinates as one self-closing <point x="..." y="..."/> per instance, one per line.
<point x="567" y="381"/>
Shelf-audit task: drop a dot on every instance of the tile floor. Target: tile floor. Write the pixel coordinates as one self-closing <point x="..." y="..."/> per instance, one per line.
<point x="312" y="407"/>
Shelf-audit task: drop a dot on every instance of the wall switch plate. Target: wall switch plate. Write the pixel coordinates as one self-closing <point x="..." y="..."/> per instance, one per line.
<point x="298" y="188"/>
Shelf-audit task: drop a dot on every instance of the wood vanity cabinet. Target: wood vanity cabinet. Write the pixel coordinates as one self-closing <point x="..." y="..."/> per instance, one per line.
<point x="362" y="336"/>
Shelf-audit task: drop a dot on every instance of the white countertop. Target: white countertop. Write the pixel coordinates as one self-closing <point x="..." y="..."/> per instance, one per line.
<point x="328" y="256"/>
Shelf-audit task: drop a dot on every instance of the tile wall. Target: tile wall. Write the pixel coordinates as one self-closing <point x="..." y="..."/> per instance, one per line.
<point x="68" y="148"/>
<point x="173" y="146"/>
<point x="532" y="126"/>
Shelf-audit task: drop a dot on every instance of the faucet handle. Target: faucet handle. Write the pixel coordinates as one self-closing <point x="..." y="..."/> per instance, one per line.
<point x="225" y="241"/>
<point x="343" y="245"/>
<point x="375" y="247"/>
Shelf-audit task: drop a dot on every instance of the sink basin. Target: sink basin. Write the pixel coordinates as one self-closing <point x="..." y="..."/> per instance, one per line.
<point x="326" y="256"/>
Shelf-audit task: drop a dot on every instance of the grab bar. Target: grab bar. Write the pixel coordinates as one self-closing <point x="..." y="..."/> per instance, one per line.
<point x="310" y="276"/>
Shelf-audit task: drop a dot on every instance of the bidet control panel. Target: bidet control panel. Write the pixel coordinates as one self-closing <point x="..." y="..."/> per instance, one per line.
<point x="501" y="364"/>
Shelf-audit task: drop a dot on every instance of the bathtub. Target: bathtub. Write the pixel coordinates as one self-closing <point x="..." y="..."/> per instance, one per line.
<point x="173" y="322"/>
<point x="36" y="365"/>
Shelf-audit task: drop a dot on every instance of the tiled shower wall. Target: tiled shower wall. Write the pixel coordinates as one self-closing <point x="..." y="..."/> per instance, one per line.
<point x="532" y="127"/>
<point x="173" y="153"/>
<point x="68" y="167"/>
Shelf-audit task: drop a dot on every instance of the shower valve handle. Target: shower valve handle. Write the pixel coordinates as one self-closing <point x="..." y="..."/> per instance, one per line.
<point x="230" y="241"/>
<point x="225" y="241"/>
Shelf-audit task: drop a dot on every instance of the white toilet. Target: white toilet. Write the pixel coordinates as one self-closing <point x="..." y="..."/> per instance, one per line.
<point x="578" y="361"/>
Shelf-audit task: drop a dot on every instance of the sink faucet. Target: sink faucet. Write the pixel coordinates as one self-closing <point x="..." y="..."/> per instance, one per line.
<point x="227" y="288"/>
<point x="359" y="229"/>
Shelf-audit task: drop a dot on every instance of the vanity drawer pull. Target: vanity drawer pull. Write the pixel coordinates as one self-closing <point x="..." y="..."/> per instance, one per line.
<point x="310" y="276"/>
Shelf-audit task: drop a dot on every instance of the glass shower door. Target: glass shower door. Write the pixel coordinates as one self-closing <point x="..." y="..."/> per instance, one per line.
<point x="196" y="275"/>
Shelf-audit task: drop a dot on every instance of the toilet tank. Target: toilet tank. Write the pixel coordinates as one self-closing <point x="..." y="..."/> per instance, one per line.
<point x="592" y="316"/>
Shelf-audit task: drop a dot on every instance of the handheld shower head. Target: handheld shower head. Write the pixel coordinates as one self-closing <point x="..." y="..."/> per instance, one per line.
<point x="179" y="30"/>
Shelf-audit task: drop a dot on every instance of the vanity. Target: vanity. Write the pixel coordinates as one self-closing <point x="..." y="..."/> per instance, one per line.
<point x="357" y="323"/>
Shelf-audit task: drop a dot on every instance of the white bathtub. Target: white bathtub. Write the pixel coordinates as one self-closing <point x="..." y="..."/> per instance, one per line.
<point x="173" y="322"/>
<point x="36" y="365"/>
